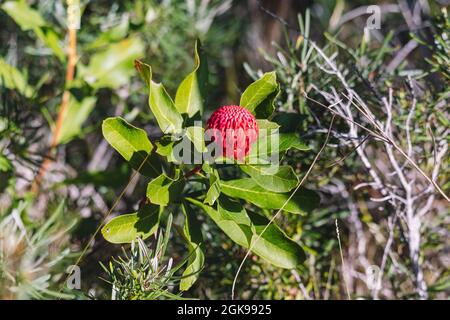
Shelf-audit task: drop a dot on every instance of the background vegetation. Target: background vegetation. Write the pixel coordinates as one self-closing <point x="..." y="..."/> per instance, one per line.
<point x="387" y="90"/>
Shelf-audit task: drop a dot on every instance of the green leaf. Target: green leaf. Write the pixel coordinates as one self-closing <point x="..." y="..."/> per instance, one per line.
<point x="303" y="201"/>
<point x="274" y="245"/>
<point x="164" y="147"/>
<point x="127" y="227"/>
<point x="244" y="229"/>
<point x="190" y="96"/>
<point x="196" y="135"/>
<point x="5" y="164"/>
<point x="51" y="39"/>
<point x="25" y="16"/>
<point x="273" y="178"/>
<point x="291" y="141"/>
<point x="114" y="33"/>
<point x="132" y="143"/>
<point x="268" y="145"/>
<point x="264" y="124"/>
<point x="259" y="96"/>
<point x="164" y="190"/>
<point x="194" y="238"/>
<point x="13" y="79"/>
<point x="29" y="19"/>
<point x="214" y="187"/>
<point x="231" y="219"/>
<point x="161" y="104"/>
<point x="77" y="113"/>
<point x="113" y="66"/>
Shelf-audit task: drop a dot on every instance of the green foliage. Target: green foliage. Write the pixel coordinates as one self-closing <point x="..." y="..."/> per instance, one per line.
<point x="26" y="17"/>
<point x="144" y="273"/>
<point x="111" y="67"/>
<point x="191" y="93"/>
<point x="219" y="210"/>
<point x="193" y="236"/>
<point x="164" y="190"/>
<point x="302" y="202"/>
<point x="12" y="78"/>
<point x="267" y="187"/>
<point x="132" y="143"/>
<point x="245" y="229"/>
<point x="260" y="95"/>
<point x="161" y="104"/>
<point x="281" y="179"/>
<point x="75" y="117"/>
<point x="34" y="255"/>
<point x="126" y="228"/>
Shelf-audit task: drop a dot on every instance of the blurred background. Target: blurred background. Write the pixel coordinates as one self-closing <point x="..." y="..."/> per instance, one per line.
<point x="399" y="236"/>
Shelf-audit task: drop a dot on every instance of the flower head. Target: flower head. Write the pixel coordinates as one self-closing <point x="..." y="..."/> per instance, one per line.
<point x="235" y="129"/>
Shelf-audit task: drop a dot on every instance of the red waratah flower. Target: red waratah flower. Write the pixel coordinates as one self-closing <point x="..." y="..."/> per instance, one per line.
<point x="235" y="129"/>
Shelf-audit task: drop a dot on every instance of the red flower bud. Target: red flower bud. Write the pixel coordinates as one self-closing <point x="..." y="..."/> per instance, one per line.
<point x="235" y="129"/>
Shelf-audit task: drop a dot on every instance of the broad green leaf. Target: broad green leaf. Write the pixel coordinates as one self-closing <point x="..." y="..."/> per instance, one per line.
<point x="274" y="245"/>
<point x="161" y="104"/>
<point x="13" y="79"/>
<point x="125" y="228"/>
<point x="196" y="135"/>
<point x="77" y="113"/>
<point x="245" y="229"/>
<point x="259" y="96"/>
<point x="291" y="141"/>
<point x="273" y="178"/>
<point x="164" y="147"/>
<point x="190" y="96"/>
<point x="231" y="218"/>
<point x="214" y="187"/>
<point x="25" y="16"/>
<point x="303" y="201"/>
<point x="267" y="106"/>
<point x="132" y="143"/>
<point x="194" y="238"/>
<point x="264" y="124"/>
<point x="113" y="66"/>
<point x="164" y="190"/>
<point x="268" y="145"/>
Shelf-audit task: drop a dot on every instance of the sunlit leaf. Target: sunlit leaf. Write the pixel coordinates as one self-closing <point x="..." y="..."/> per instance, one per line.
<point x="274" y="178"/>
<point x="113" y="66"/>
<point x="260" y="95"/>
<point x="303" y="201"/>
<point x="196" y="135"/>
<point x="245" y="229"/>
<point x="196" y="260"/>
<point x="25" y="16"/>
<point x="125" y="228"/>
<point x="214" y="187"/>
<point x="190" y="96"/>
<point x="12" y="78"/>
<point x="161" y="104"/>
<point x="163" y="190"/>
<point x="77" y="113"/>
<point x="132" y="143"/>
